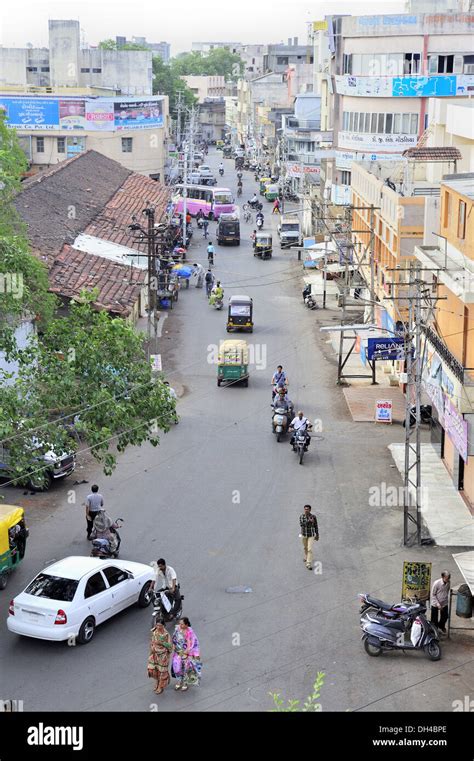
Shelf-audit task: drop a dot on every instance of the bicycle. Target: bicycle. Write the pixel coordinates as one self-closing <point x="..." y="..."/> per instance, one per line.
<point x="248" y="216"/>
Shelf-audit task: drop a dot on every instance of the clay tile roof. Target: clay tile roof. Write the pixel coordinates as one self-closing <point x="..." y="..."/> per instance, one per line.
<point x="433" y="154"/>
<point x="130" y="199"/>
<point x="119" y="285"/>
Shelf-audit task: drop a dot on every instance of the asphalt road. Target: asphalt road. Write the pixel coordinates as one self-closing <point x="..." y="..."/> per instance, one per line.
<point x="220" y="500"/>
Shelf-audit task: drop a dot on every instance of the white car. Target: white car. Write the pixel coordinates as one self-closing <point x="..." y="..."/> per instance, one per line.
<point x="204" y="169"/>
<point x="69" y="598"/>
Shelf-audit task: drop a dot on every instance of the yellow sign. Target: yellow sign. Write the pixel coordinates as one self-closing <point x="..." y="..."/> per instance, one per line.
<point x="320" y="26"/>
<point x="416" y="582"/>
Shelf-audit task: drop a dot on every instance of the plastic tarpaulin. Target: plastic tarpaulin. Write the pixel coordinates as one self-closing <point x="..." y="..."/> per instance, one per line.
<point x="465" y="563"/>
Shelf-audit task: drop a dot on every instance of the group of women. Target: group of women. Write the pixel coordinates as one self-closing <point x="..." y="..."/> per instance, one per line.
<point x="181" y="650"/>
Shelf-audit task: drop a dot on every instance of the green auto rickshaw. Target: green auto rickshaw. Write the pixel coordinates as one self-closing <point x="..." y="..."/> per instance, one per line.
<point x="233" y="362"/>
<point x="219" y="144"/>
<point x="240" y="314"/>
<point x="263" y="246"/>
<point x="13" y="535"/>
<point x="271" y="192"/>
<point x="263" y="184"/>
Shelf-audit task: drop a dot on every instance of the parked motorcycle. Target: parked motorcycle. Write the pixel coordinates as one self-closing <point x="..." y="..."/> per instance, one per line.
<point x="426" y="411"/>
<point x="401" y="623"/>
<point x="164" y="607"/>
<point x="378" y="637"/>
<point x="102" y="548"/>
<point x="387" y="609"/>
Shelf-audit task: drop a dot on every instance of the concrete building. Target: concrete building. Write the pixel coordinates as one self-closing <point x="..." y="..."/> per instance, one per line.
<point x="66" y="64"/>
<point x="232" y="114"/>
<point x="52" y="128"/>
<point x="206" y="47"/>
<point x="385" y="69"/>
<point x="451" y="123"/>
<point x="270" y="90"/>
<point x="279" y="57"/>
<point x="162" y="49"/>
<point x="205" y="86"/>
<point x="212" y="119"/>
<point x="253" y="58"/>
<point x="304" y="142"/>
<point x="448" y="375"/>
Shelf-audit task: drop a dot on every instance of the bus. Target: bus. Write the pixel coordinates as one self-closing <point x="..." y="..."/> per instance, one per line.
<point x="211" y="201"/>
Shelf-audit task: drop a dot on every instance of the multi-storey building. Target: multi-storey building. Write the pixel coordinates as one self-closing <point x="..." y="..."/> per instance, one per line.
<point x="206" y="47"/>
<point x="448" y="370"/>
<point x="385" y="69"/>
<point x="163" y="49"/>
<point x="68" y="64"/>
<point x="205" y="86"/>
<point x="212" y="119"/>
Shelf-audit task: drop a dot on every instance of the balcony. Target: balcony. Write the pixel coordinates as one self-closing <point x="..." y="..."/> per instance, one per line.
<point x="303" y="125"/>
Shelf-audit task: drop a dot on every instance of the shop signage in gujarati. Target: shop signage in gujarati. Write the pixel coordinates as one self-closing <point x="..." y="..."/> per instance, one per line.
<point x="456" y="428"/>
<point x="369" y="142"/>
<point x="421" y="86"/>
<point x="383" y="411"/>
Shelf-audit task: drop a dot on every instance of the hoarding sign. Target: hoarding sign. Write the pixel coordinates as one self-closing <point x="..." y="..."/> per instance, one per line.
<point x="132" y="114"/>
<point x="383" y="410"/>
<point x="386" y="348"/>
<point x="72" y="114"/>
<point x="100" y="115"/>
<point x="31" y="113"/>
<point x="370" y="142"/>
<point x="456" y="428"/>
<point x="416" y="583"/>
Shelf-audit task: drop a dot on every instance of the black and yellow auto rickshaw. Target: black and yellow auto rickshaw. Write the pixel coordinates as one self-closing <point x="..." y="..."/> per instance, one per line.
<point x="262" y="246"/>
<point x="240" y="315"/>
<point x="13" y="534"/>
<point x="233" y="362"/>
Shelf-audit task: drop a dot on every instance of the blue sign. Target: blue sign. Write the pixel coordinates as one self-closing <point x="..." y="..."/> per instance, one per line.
<point x="31" y="113"/>
<point x="386" y="348"/>
<point x="423" y="87"/>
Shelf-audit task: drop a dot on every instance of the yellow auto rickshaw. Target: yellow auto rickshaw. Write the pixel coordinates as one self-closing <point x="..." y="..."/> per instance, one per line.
<point x="13" y="535"/>
<point x="264" y="181"/>
<point x="263" y="245"/>
<point x="233" y="362"/>
<point x="219" y="144"/>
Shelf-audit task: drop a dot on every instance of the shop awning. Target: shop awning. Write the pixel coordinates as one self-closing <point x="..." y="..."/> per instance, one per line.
<point x="465" y="563"/>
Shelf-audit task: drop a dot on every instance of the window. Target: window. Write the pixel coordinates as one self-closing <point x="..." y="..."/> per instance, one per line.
<point x="411" y="63"/>
<point x="397" y="123"/>
<point x="356" y="122"/>
<point x="373" y="123"/>
<point x="40" y="144"/>
<point x="413" y="124"/>
<point x="381" y="119"/>
<point x="351" y="122"/>
<point x="115" y="575"/>
<point x="347" y="64"/>
<point x="61" y="145"/>
<point x="52" y="587"/>
<point x="45" y="68"/>
<point x="282" y="60"/>
<point x="85" y="71"/>
<point x="127" y="144"/>
<point x="441" y="64"/>
<point x="346" y="178"/>
<point x="406" y="124"/>
<point x="97" y="71"/>
<point x="389" y="124"/>
<point x="462" y="220"/>
<point x="447" y="209"/>
<point x="32" y="68"/>
<point x="94" y="586"/>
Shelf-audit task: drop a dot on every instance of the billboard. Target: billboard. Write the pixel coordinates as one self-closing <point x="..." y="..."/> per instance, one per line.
<point x="420" y="86"/>
<point x="72" y="114"/>
<point x="132" y="114"/>
<point x="31" y="113"/>
<point x="100" y="115"/>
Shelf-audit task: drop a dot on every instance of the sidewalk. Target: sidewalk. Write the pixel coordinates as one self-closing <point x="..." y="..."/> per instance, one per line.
<point x="444" y="511"/>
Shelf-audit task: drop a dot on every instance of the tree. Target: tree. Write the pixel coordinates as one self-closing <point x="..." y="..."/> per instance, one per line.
<point x="111" y="44"/>
<point x="167" y="82"/>
<point x="89" y="369"/>
<point x="218" y="62"/>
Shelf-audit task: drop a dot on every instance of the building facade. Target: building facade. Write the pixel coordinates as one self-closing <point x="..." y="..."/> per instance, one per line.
<point x="205" y="86"/>
<point x="212" y="119"/>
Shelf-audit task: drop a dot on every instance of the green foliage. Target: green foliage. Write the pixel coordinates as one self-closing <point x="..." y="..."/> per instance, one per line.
<point x="167" y="82"/>
<point x="218" y="62"/>
<point x="310" y="705"/>
<point x="110" y="44"/>
<point x="93" y="366"/>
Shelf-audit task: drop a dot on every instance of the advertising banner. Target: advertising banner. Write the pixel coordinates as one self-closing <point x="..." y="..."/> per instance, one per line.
<point x="456" y="428"/>
<point x="344" y="159"/>
<point x="100" y="115"/>
<point x="386" y="348"/>
<point x="133" y="114"/>
<point x="416" y="583"/>
<point x="31" y="113"/>
<point x="423" y="87"/>
<point x="362" y="141"/>
<point x="72" y="114"/>
<point x="420" y="86"/>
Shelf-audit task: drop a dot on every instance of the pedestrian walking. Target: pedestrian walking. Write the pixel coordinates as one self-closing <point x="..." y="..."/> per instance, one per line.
<point x="186" y="663"/>
<point x="440" y="600"/>
<point x="94" y="503"/>
<point x="309" y="533"/>
<point x="205" y="226"/>
<point x="276" y="206"/>
<point x="209" y="278"/>
<point x="159" y="657"/>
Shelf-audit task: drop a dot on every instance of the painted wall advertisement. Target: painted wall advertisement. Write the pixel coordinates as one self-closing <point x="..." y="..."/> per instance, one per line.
<point x="368" y="142"/>
<point x="92" y="114"/>
<point x="432" y="85"/>
<point x="416" y="583"/>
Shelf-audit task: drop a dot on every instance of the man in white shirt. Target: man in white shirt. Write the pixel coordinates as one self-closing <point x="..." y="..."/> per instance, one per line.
<point x="300" y="422"/>
<point x="165" y="578"/>
<point x="440" y="601"/>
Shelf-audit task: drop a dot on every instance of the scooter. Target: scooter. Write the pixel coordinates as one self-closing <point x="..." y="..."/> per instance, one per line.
<point x="221" y="172"/>
<point x="400" y="623"/>
<point x="426" y="411"/>
<point x="386" y="609"/>
<point x="101" y="547"/>
<point x="259" y="222"/>
<point x="309" y="300"/>
<point x="280" y="420"/>
<point x="378" y="638"/>
<point x="163" y="607"/>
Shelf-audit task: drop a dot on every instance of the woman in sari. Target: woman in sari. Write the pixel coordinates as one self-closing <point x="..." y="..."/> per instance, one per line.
<point x="159" y="658"/>
<point x="186" y="663"/>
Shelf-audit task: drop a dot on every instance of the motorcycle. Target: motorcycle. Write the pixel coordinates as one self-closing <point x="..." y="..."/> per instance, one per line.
<point x="259" y="223"/>
<point x="221" y="171"/>
<point x="218" y="303"/>
<point x="386" y="609"/>
<point x="164" y="609"/>
<point x="401" y="623"/>
<point x="255" y="205"/>
<point x="379" y="637"/>
<point x="426" y="411"/>
<point x="239" y="190"/>
<point x="299" y="444"/>
<point x="101" y="548"/>
<point x="200" y="222"/>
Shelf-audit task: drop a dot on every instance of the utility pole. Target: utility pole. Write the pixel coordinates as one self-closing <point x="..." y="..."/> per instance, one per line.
<point x="185" y="193"/>
<point x="178" y="124"/>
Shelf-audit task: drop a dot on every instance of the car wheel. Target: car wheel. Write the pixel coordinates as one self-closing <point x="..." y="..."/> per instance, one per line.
<point x="3" y="580"/>
<point x="145" y="596"/>
<point x="40" y="483"/>
<point x="86" y="632"/>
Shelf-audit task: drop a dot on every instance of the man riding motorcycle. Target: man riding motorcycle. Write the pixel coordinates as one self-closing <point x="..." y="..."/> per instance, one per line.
<point x="259" y="219"/>
<point x="166" y="580"/>
<point x="221" y="169"/>
<point x="300" y="423"/>
<point x="278" y="379"/>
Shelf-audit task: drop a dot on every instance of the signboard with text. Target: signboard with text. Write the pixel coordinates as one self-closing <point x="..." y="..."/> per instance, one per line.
<point x="383" y="411"/>
<point x="416" y="583"/>
<point x="386" y="348"/>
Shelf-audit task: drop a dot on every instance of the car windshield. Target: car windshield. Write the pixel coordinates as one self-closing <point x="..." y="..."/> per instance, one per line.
<point x="52" y="587"/>
<point x="290" y="228"/>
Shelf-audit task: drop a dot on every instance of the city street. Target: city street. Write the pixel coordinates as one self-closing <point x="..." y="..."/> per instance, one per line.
<point x="220" y="500"/>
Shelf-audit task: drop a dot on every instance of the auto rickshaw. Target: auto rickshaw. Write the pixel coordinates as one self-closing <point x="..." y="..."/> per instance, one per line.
<point x="240" y="314"/>
<point x="219" y="144"/>
<point x="233" y="362"/>
<point x="263" y="245"/>
<point x="13" y="534"/>
<point x="263" y="184"/>
<point x="271" y="192"/>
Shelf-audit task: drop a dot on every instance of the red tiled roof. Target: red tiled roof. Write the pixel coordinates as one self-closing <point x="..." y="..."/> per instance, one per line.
<point x="131" y="198"/>
<point x="119" y="285"/>
<point x="433" y="154"/>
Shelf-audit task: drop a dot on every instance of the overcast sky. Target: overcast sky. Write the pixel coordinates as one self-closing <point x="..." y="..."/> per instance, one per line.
<point x="182" y="23"/>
